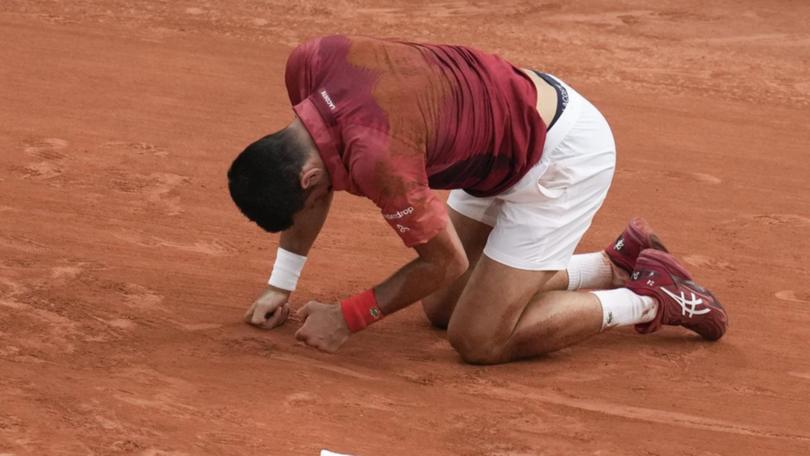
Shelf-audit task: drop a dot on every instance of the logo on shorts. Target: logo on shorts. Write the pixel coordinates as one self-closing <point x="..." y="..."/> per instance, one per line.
<point x="564" y="97"/>
<point x="328" y="99"/>
<point x="402" y="228"/>
<point x="399" y="214"/>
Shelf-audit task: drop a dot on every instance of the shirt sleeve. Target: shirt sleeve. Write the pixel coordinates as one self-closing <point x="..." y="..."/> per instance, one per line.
<point x="393" y="177"/>
<point x="298" y="70"/>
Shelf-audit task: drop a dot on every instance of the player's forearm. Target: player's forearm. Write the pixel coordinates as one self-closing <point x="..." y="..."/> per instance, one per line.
<point x="295" y="244"/>
<point x="306" y="227"/>
<point x="416" y="280"/>
<point x="441" y="261"/>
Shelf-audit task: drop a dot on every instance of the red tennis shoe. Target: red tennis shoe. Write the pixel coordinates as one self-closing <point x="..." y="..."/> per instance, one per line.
<point x="637" y="237"/>
<point x="682" y="302"/>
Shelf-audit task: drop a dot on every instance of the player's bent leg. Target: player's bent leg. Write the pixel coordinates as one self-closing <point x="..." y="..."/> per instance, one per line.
<point x="501" y="317"/>
<point x="590" y="271"/>
<point x="473" y="235"/>
<point x="611" y="267"/>
<point x="504" y="312"/>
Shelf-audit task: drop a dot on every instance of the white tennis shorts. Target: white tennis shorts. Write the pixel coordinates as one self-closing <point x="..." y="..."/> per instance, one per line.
<point x="538" y="222"/>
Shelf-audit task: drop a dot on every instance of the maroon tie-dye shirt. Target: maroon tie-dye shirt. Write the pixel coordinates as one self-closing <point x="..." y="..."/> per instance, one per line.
<point x="393" y="119"/>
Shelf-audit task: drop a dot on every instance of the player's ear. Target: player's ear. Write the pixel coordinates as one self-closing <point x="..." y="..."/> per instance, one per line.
<point x="311" y="176"/>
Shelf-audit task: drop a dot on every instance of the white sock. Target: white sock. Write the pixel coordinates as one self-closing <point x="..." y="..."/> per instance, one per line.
<point x="622" y="307"/>
<point x="589" y="270"/>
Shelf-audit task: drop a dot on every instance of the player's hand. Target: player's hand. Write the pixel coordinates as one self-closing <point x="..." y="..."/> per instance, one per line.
<point x="271" y="309"/>
<point x="324" y="327"/>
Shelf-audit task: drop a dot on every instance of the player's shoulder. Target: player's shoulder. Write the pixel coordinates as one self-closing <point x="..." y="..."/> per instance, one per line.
<point x="326" y="44"/>
<point x="338" y="44"/>
<point x="317" y="53"/>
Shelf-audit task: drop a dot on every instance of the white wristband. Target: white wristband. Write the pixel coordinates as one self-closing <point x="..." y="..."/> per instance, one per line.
<point x="286" y="270"/>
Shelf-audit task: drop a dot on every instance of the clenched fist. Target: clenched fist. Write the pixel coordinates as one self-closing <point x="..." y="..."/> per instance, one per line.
<point x="324" y="327"/>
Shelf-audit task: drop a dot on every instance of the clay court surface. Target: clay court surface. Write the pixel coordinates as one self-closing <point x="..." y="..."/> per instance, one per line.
<point x="125" y="268"/>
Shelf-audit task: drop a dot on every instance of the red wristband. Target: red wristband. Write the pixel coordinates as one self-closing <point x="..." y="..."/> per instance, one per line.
<point x="361" y="310"/>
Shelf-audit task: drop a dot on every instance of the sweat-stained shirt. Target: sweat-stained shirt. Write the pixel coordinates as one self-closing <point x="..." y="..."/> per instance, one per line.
<point x="394" y="119"/>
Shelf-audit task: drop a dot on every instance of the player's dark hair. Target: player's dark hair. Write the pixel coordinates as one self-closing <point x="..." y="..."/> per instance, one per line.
<point x="264" y="180"/>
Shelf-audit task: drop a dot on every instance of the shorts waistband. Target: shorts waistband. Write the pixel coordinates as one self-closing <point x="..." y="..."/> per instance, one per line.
<point x="562" y="96"/>
<point x="572" y="106"/>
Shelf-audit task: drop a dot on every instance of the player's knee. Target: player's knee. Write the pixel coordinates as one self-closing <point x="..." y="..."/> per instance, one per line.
<point x="474" y="349"/>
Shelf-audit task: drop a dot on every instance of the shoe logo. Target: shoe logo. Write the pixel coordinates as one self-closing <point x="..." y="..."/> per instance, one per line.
<point x="635" y="275"/>
<point x="619" y="244"/>
<point x="689" y="307"/>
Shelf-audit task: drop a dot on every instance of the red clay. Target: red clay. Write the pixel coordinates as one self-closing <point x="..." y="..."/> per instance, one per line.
<point x="125" y="269"/>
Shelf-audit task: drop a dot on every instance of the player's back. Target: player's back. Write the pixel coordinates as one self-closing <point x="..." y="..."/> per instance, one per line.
<point x="471" y="115"/>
